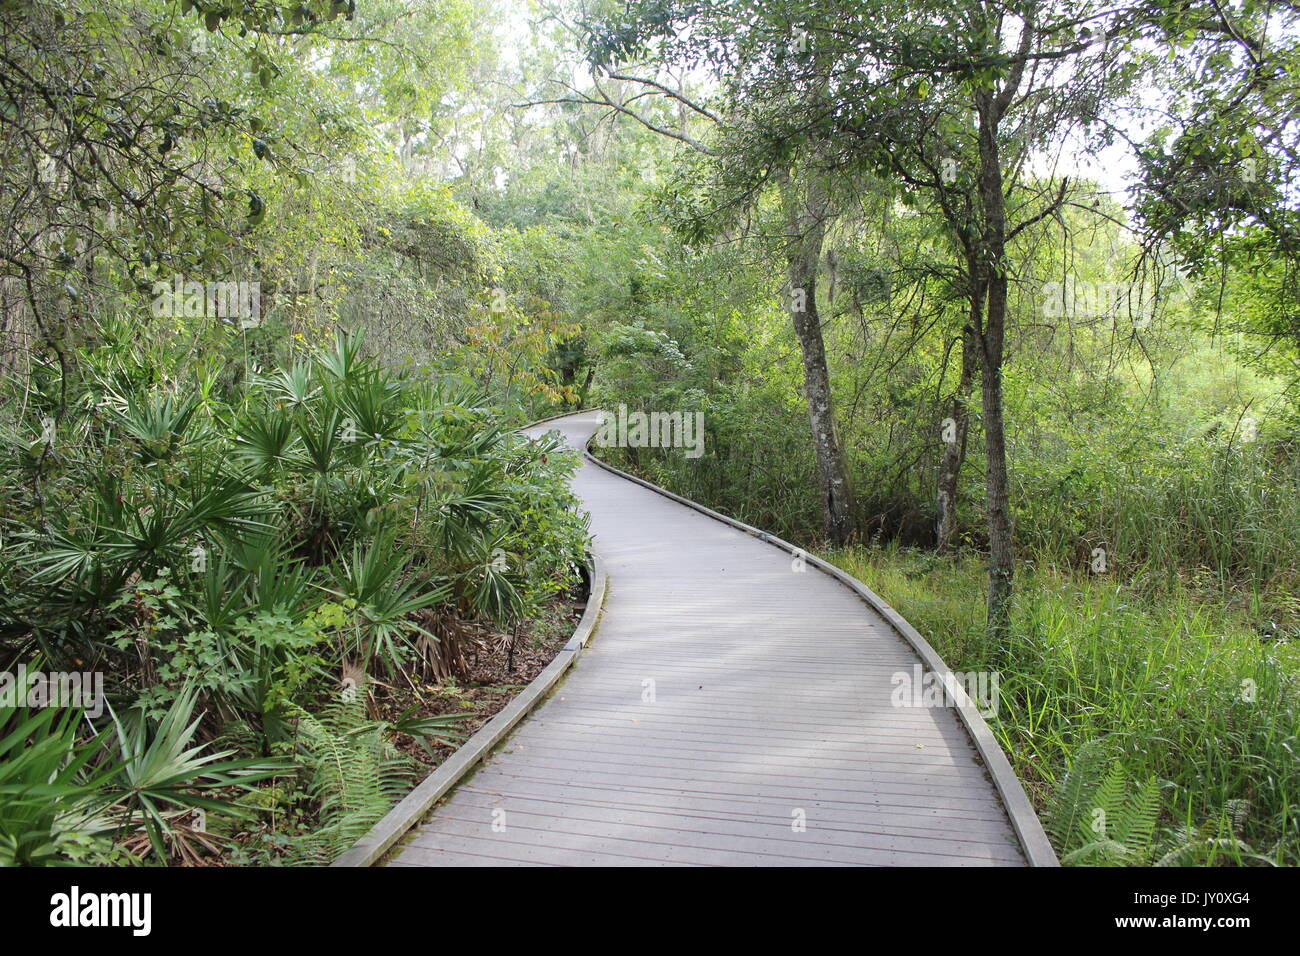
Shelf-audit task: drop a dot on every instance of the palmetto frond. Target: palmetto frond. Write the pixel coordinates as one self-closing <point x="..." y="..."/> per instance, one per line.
<point x="161" y="768"/>
<point x="373" y="580"/>
<point x="158" y="425"/>
<point x="295" y="386"/>
<point x="266" y="440"/>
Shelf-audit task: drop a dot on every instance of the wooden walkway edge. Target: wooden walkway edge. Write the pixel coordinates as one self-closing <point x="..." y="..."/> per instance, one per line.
<point x="735" y="708"/>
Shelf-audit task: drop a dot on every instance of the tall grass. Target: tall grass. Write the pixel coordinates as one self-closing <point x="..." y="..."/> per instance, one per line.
<point x="1180" y="685"/>
<point x="1225" y="516"/>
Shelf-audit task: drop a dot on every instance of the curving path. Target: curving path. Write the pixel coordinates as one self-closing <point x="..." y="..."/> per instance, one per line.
<point x="728" y="711"/>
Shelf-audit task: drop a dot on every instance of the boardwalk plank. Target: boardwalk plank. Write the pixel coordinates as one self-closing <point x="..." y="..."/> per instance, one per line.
<point x="827" y="818"/>
<point x="771" y="698"/>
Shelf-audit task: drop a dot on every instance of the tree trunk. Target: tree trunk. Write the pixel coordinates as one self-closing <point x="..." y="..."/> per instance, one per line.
<point x="954" y="451"/>
<point x="991" y="257"/>
<point x="806" y="217"/>
<point x="586" y="387"/>
<point x="1001" y="553"/>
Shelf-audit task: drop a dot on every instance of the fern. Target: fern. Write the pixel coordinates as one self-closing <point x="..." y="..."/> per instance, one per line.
<point x="1134" y="821"/>
<point x="357" y="774"/>
<point x="1070" y="802"/>
<point x="1095" y="818"/>
<point x="1098" y="820"/>
<point x="1203" y="846"/>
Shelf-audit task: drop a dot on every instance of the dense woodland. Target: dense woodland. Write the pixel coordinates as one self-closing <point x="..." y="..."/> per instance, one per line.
<point x="993" y="304"/>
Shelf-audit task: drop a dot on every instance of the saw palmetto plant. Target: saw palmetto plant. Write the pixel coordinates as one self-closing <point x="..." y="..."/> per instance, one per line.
<point x="222" y="551"/>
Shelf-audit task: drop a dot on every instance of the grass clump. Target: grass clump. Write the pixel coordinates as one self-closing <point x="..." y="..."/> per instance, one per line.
<point x="1196" y="711"/>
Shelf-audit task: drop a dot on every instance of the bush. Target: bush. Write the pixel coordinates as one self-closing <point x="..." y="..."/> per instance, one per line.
<point x="236" y="551"/>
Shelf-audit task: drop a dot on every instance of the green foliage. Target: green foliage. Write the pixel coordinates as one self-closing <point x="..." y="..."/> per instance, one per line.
<point x="66" y="793"/>
<point x="245" y="545"/>
<point x="159" y="771"/>
<point x="356" y="773"/>
<point x="344" y="479"/>
<point x="43" y="792"/>
<point x="1122" y="699"/>
<point x="1094" y="819"/>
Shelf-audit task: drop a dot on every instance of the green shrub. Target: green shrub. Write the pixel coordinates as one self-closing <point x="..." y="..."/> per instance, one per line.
<point x="224" y="553"/>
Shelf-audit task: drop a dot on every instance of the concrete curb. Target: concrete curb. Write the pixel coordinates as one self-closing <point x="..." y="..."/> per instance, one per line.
<point x="1024" y="821"/>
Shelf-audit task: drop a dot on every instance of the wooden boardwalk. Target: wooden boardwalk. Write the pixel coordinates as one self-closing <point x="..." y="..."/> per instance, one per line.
<point x="728" y="711"/>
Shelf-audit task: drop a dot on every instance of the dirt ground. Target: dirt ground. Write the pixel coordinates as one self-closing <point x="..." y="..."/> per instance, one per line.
<point x="492" y="682"/>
